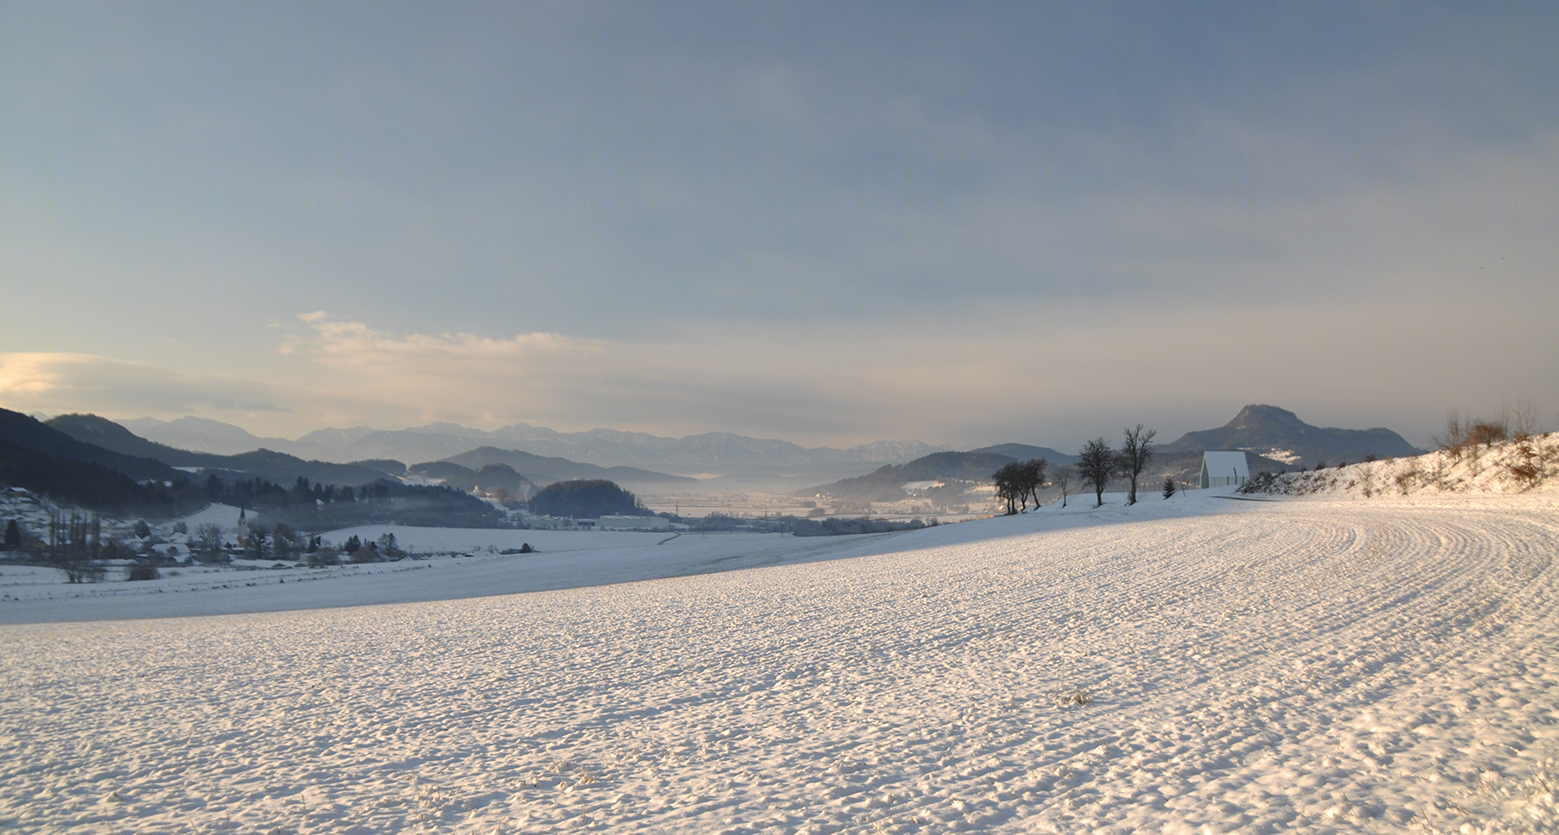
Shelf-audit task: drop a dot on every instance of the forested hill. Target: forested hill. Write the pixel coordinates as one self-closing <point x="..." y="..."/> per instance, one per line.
<point x="545" y="470"/>
<point x="887" y="483"/>
<point x="585" y="499"/>
<point x="24" y="431"/>
<point x="71" y="472"/>
<point x="260" y="463"/>
<point x="49" y="462"/>
<point x="1025" y="452"/>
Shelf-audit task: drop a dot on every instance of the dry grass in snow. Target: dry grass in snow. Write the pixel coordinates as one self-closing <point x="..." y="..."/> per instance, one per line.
<point x="1520" y="465"/>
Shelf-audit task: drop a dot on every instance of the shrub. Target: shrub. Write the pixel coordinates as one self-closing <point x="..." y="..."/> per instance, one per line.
<point x="1406" y="478"/>
<point x="141" y="571"/>
<point x="1263" y="482"/>
<point x="211" y="557"/>
<point x="1169" y="487"/>
<point x="1526" y="464"/>
<point x="1487" y="433"/>
<point x="1526" y="473"/>
<point x="115" y="550"/>
<point x="85" y="572"/>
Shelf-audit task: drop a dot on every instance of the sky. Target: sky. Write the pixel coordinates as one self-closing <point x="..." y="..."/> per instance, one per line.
<point x="826" y="223"/>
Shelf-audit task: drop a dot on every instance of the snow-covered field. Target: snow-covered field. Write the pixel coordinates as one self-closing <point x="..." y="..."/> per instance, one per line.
<point x="1201" y="664"/>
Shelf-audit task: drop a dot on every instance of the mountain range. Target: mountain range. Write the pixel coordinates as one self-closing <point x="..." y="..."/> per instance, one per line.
<point x="544" y="470"/>
<point x="128" y="450"/>
<point x="256" y="462"/>
<point x="1275" y="438"/>
<point x="20" y="433"/>
<point x="719" y="452"/>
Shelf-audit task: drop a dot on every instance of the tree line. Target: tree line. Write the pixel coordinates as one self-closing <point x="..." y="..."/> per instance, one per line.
<point x="95" y="486"/>
<point x="1098" y="463"/>
<point x="312" y="506"/>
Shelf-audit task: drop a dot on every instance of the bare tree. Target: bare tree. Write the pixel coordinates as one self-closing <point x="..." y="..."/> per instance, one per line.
<point x="1135" y="454"/>
<point x="1097" y="464"/>
<point x="1062" y="480"/>
<point x="256" y="540"/>
<point x="207" y="544"/>
<point x="284" y="541"/>
<point x="1034" y="477"/>
<point x="1487" y="433"/>
<point x="74" y="546"/>
<point x="1454" y="437"/>
<point x="1525" y="419"/>
<point x="1009" y="486"/>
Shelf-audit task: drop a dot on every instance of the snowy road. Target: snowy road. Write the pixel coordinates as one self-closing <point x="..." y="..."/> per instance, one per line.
<point x="1310" y="666"/>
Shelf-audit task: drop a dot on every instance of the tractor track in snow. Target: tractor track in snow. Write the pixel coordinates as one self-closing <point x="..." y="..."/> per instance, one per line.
<point x="1292" y="666"/>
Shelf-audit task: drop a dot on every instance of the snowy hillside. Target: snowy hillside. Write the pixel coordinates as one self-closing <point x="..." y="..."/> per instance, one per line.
<point x="1197" y="664"/>
<point x="1515" y="466"/>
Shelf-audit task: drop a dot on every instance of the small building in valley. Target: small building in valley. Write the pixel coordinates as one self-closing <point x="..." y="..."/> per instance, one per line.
<point x="634" y="523"/>
<point x="1224" y="468"/>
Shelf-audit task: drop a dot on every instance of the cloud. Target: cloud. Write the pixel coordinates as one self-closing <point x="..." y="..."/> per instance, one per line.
<point x="963" y="228"/>
<point x="810" y="383"/>
<point x="1055" y="373"/>
<point x="707" y="383"/>
<point x="65" y="382"/>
